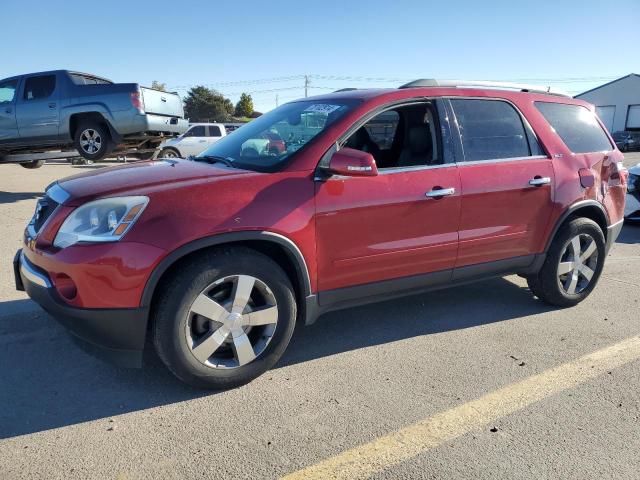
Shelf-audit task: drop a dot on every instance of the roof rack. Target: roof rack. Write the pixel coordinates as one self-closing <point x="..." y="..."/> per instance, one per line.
<point x="432" y="82"/>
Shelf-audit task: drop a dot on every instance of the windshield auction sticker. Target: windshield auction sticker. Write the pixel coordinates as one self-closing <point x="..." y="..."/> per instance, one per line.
<point x="322" y="108"/>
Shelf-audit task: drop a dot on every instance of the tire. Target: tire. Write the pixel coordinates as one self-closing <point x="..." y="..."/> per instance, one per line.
<point x="178" y="330"/>
<point x="169" y="153"/>
<point x="93" y="141"/>
<point x="562" y="289"/>
<point x="33" y="164"/>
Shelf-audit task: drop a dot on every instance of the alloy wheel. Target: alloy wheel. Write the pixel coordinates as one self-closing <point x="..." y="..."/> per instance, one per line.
<point x="231" y="322"/>
<point x="578" y="264"/>
<point x="90" y="141"/>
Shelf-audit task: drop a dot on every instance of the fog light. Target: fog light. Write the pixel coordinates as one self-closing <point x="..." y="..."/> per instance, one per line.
<point x="65" y="286"/>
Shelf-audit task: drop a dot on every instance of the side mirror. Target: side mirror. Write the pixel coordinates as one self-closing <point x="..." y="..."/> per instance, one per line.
<point x="353" y="163"/>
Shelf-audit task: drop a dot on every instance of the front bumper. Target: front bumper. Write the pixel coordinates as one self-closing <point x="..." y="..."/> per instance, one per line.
<point x="612" y="234"/>
<point x="115" y="335"/>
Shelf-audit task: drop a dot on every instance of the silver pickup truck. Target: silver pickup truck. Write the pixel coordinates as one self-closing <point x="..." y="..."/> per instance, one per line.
<point x="57" y="109"/>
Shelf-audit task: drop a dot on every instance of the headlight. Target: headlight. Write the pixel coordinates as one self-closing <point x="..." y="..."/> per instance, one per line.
<point x="632" y="182"/>
<point x="105" y="220"/>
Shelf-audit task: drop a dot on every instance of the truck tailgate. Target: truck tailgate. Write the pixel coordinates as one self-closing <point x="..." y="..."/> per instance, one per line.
<point x="161" y="103"/>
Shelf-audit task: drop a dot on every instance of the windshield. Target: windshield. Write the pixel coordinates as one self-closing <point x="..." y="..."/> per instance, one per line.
<point x="269" y="140"/>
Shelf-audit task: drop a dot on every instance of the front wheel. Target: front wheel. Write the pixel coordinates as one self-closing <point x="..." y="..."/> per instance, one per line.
<point x="573" y="264"/>
<point x="169" y="153"/>
<point x="224" y="318"/>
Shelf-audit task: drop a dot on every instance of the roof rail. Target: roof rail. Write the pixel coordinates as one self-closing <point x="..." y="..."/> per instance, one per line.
<point x="432" y="82"/>
<point x="348" y="89"/>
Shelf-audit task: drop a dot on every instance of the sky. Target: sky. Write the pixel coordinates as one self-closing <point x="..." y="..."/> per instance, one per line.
<point x="266" y="48"/>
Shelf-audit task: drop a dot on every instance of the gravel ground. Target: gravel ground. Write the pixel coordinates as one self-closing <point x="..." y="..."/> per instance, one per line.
<point x="351" y="378"/>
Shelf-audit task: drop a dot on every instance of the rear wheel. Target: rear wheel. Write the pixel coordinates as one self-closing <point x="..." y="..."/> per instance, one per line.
<point x="93" y="141"/>
<point x="573" y="264"/>
<point x="224" y="318"/>
<point x="33" y="164"/>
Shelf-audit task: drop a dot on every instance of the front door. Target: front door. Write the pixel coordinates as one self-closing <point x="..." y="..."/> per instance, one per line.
<point x="506" y="180"/>
<point x="8" y="126"/>
<point x="37" y="110"/>
<point x="394" y="225"/>
<point x="194" y="141"/>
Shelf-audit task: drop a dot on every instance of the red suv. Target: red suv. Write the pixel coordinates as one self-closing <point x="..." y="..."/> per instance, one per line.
<point x="379" y="193"/>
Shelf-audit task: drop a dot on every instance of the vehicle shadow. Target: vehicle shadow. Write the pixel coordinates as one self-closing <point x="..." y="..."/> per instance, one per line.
<point x="12" y="197"/>
<point x="48" y="382"/>
<point x="630" y="234"/>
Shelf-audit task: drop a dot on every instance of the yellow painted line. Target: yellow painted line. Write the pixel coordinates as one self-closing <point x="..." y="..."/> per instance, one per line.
<point x="397" y="447"/>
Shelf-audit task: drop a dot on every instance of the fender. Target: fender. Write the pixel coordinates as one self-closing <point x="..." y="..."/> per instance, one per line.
<point x="571" y="209"/>
<point x="87" y="108"/>
<point x="291" y="248"/>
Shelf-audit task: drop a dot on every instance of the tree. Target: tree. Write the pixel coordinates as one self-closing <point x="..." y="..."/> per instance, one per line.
<point x="244" y="107"/>
<point x="205" y="104"/>
<point x="159" y="86"/>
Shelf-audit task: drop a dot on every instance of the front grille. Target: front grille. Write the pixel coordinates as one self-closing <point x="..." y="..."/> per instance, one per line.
<point x="44" y="208"/>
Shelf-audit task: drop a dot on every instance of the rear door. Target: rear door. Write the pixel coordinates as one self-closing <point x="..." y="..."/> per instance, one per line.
<point x="214" y="133"/>
<point x="506" y="183"/>
<point x="37" y="109"/>
<point x="8" y="125"/>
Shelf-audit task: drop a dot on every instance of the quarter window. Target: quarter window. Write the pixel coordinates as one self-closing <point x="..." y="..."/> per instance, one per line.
<point x="490" y="129"/>
<point x="8" y="91"/>
<point x="39" y="87"/>
<point x="577" y="127"/>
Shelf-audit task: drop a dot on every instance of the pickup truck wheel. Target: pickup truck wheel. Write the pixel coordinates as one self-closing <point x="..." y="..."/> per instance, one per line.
<point x="224" y="318"/>
<point x="32" y="165"/>
<point x="169" y="153"/>
<point x="573" y="264"/>
<point x="93" y="141"/>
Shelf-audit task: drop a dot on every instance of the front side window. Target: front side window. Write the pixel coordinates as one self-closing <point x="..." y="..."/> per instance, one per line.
<point x="268" y="141"/>
<point x="197" y="131"/>
<point x="405" y="136"/>
<point x="39" y="87"/>
<point x="490" y="130"/>
<point x="8" y="91"/>
<point x="576" y="125"/>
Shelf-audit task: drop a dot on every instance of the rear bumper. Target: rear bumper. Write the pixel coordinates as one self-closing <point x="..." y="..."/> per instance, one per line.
<point x="158" y="123"/>
<point x="115" y="335"/>
<point x="612" y="234"/>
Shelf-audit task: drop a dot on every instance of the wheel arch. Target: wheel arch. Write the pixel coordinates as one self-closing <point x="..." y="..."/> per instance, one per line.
<point x="174" y="148"/>
<point x="76" y="119"/>
<point x="278" y="247"/>
<point x="587" y="209"/>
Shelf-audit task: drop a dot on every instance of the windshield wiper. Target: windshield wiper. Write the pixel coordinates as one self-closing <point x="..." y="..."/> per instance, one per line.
<point x="228" y="161"/>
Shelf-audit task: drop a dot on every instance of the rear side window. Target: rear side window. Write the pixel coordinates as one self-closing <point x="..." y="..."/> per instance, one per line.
<point x="577" y="127"/>
<point x="8" y="91"/>
<point x="39" y="87"/>
<point x="214" y="131"/>
<point x="79" y="79"/>
<point x="490" y="129"/>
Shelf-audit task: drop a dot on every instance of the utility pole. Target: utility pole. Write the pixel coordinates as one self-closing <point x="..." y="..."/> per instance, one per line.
<point x="276" y="100"/>
<point x="306" y="86"/>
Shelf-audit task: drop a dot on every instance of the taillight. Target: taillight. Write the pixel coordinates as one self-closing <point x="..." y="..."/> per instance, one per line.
<point x="136" y="101"/>
<point x="619" y="174"/>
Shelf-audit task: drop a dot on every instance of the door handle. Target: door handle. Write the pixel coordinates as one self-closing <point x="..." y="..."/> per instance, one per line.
<point x="52" y="105"/>
<point x="440" y="192"/>
<point x="8" y="110"/>
<point x="202" y="141"/>
<point x="538" y="181"/>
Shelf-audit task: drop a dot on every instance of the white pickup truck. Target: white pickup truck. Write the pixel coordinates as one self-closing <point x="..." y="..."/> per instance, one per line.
<point x="197" y="139"/>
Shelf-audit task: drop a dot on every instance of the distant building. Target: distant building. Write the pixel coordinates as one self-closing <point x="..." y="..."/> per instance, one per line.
<point x="617" y="103"/>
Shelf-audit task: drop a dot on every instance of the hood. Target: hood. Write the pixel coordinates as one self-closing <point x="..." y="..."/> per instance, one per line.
<point x="140" y="178"/>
